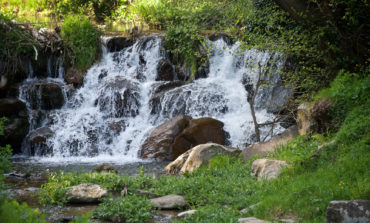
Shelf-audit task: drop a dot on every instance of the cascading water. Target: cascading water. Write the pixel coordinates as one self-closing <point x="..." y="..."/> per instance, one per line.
<point x="107" y="119"/>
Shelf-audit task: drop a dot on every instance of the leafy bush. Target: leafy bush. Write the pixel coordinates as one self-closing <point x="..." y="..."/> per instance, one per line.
<point x="82" y="41"/>
<point x="131" y="208"/>
<point x="11" y="211"/>
<point x="16" y="43"/>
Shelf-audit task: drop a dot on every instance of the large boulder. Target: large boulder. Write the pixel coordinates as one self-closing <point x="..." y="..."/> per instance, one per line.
<point x="165" y="71"/>
<point x="86" y="193"/>
<point x="176" y="136"/>
<point x="355" y="211"/>
<point x="37" y="141"/>
<point x="16" y="126"/>
<point x="267" y="168"/>
<point x="74" y="76"/>
<point x="172" y="201"/>
<point x="265" y="148"/>
<point x="199" y="131"/>
<point x="199" y="156"/>
<point x="159" y="143"/>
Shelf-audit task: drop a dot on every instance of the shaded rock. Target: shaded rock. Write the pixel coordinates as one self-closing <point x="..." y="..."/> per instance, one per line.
<point x="355" y="211"/>
<point x="37" y="141"/>
<point x="106" y="168"/>
<point x="16" y="126"/>
<point x="159" y="143"/>
<point x="175" y="166"/>
<point x="186" y="213"/>
<point x="165" y="71"/>
<point x="201" y="154"/>
<point x="115" y="44"/>
<point x="320" y="113"/>
<point x="199" y="131"/>
<point x="251" y="220"/>
<point x="304" y="119"/>
<point x="228" y="40"/>
<point x="172" y="201"/>
<point x="265" y="148"/>
<point x="12" y="106"/>
<point x="267" y="168"/>
<point x="86" y="193"/>
<point x="44" y="95"/>
<point x="74" y="76"/>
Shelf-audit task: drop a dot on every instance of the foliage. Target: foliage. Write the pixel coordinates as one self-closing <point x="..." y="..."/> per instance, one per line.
<point x="16" y="43"/>
<point x="12" y="211"/>
<point x="125" y="209"/>
<point x="82" y="41"/>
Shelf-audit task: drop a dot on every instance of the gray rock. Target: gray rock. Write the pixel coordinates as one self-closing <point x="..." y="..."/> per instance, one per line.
<point x="145" y="193"/>
<point x="267" y="168"/>
<point x="185" y="213"/>
<point x="265" y="148"/>
<point x="304" y="120"/>
<point x="355" y="211"/>
<point x="172" y="201"/>
<point x="86" y="193"/>
<point x="251" y="220"/>
<point x="106" y="168"/>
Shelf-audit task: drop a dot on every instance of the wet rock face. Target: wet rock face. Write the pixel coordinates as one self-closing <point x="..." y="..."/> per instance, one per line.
<point x="75" y="77"/>
<point x="45" y="95"/>
<point x="86" y="193"/>
<point x="120" y="98"/>
<point x="37" y="141"/>
<point x="165" y="71"/>
<point x="176" y="136"/>
<point x="355" y="211"/>
<point x="116" y="44"/>
<point x="16" y="126"/>
<point x="159" y="90"/>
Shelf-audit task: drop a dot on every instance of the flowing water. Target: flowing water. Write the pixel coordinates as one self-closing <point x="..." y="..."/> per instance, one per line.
<point x="108" y="118"/>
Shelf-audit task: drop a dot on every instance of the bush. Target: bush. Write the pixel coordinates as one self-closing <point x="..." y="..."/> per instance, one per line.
<point x="131" y="209"/>
<point x="11" y="211"/>
<point x="81" y="40"/>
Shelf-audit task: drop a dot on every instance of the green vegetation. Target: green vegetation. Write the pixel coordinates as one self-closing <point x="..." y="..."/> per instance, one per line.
<point x="131" y="209"/>
<point x="16" y="43"/>
<point x="81" y="41"/>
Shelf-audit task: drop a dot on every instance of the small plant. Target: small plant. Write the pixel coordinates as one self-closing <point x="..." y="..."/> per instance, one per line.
<point x="82" y="41"/>
<point x="131" y="209"/>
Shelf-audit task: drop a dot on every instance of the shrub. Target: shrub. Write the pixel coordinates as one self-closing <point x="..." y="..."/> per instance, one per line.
<point x="131" y="209"/>
<point x="12" y="211"/>
<point x="81" y="40"/>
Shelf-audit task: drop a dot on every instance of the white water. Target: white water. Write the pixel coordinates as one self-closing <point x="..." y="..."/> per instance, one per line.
<point x="117" y="91"/>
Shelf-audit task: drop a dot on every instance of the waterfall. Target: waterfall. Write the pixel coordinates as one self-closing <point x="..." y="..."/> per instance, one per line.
<point x="120" y="101"/>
